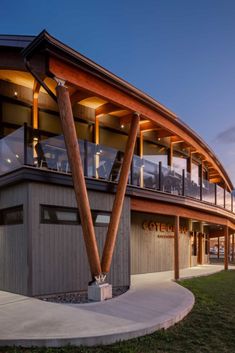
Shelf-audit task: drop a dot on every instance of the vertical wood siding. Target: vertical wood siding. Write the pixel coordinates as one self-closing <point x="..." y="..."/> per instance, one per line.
<point x="150" y="253"/>
<point x="58" y="253"/>
<point x="13" y="244"/>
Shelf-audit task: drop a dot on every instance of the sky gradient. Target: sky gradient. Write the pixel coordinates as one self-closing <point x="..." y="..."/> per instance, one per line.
<point x="181" y="52"/>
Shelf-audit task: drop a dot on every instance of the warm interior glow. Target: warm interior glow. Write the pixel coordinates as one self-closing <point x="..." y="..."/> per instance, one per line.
<point x="20" y="78"/>
<point x="119" y="113"/>
<point x="144" y="121"/>
<point x="92" y="102"/>
<point x="51" y="84"/>
<point x="24" y="79"/>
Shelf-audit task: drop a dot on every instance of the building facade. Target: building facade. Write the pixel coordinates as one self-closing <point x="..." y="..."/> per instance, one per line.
<point x="97" y="179"/>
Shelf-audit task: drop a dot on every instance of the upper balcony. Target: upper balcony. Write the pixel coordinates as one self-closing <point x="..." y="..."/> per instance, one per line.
<point x="24" y="148"/>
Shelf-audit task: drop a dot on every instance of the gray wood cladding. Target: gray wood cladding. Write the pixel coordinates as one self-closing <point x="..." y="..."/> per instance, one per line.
<point x="150" y="253"/>
<point x="13" y="244"/>
<point x="59" y="260"/>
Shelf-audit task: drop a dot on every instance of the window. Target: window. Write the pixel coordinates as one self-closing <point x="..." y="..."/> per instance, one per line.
<point x="12" y="215"/>
<point x="100" y="218"/>
<point x="59" y="215"/>
<point x="194" y="243"/>
<point x="67" y="215"/>
<point x="207" y="250"/>
<point x="16" y="113"/>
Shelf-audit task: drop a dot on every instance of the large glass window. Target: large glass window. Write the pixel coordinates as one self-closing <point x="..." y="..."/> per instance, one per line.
<point x="84" y="131"/>
<point x="179" y="162"/>
<point x="49" y="122"/>
<point x="113" y="139"/>
<point x="59" y="215"/>
<point x="12" y="215"/>
<point x="155" y="153"/>
<point x="195" y="173"/>
<point x="16" y="114"/>
<point x="68" y="215"/>
<point x="100" y="218"/>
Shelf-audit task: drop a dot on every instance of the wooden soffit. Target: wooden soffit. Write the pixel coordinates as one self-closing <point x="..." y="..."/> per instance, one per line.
<point x="154" y="207"/>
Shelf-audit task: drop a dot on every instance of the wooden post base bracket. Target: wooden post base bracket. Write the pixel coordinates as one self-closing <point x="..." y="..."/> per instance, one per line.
<point x="99" y="292"/>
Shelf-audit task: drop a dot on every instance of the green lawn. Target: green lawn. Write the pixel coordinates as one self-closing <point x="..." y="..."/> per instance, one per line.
<point x="210" y="327"/>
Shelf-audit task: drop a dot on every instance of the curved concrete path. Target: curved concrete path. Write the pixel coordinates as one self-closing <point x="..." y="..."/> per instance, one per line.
<point x="152" y="303"/>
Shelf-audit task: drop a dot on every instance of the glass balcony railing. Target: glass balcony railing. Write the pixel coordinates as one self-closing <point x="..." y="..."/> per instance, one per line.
<point x="150" y="174"/>
<point x="228" y="201"/>
<point x="219" y="196"/>
<point x="192" y="187"/>
<point x="171" y="181"/>
<point x="208" y="191"/>
<point x="22" y="147"/>
<point x="12" y="151"/>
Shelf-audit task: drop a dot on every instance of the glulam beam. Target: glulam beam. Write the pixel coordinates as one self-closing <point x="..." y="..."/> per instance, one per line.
<point x="36" y="89"/>
<point x="106" y="108"/>
<point x="79" y="95"/>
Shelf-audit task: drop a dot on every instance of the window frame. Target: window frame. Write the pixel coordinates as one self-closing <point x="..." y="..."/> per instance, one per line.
<point x="58" y="208"/>
<point x="11" y="209"/>
<point x="95" y="213"/>
<point x="55" y="208"/>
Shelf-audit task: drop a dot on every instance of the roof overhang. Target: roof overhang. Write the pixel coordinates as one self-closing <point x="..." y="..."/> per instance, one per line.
<point x="47" y="44"/>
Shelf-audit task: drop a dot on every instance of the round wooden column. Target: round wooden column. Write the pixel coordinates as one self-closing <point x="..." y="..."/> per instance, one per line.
<point x="75" y="161"/>
<point x="120" y="194"/>
<point x="176" y="248"/>
<point x="226" y="247"/>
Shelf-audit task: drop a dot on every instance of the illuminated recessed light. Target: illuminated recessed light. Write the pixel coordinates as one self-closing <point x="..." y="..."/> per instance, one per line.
<point x="8" y="160"/>
<point x="159" y="139"/>
<point x="99" y="152"/>
<point x="17" y="156"/>
<point x="15" y="93"/>
<point x="122" y="126"/>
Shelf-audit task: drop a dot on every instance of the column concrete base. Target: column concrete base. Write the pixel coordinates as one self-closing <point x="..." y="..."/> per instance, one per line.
<point x="99" y="292"/>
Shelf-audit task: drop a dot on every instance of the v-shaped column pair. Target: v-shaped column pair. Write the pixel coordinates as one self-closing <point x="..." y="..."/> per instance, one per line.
<point x="97" y="267"/>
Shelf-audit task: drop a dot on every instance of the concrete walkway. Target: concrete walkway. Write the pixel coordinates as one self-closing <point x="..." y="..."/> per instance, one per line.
<point x="152" y="303"/>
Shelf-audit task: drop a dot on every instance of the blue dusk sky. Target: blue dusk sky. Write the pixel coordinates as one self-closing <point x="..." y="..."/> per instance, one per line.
<point x="180" y="52"/>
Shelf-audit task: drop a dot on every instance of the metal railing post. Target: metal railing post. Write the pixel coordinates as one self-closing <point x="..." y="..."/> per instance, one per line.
<point x="85" y="158"/>
<point x="160" y="176"/>
<point x="183" y="182"/>
<point x="25" y="143"/>
<point x="201" y="181"/>
<point x="215" y="194"/>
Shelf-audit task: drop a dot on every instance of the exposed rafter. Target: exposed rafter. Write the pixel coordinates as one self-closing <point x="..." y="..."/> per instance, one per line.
<point x="36" y="89"/>
<point x="215" y="180"/>
<point x="106" y="108"/>
<point x="125" y="120"/>
<point x="147" y="126"/>
<point x="176" y="139"/>
<point x="79" y="96"/>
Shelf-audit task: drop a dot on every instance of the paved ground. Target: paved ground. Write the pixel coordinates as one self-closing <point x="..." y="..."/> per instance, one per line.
<point x="153" y="302"/>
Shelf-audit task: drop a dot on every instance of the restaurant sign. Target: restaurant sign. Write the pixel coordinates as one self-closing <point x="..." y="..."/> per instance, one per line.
<point x="162" y="227"/>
